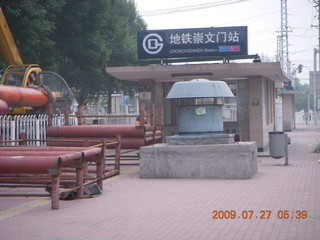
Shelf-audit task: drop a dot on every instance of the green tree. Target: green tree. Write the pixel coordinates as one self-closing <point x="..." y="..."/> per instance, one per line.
<point x="301" y="100"/>
<point x="91" y="36"/>
<point x="83" y="48"/>
<point x="32" y="24"/>
<point x="122" y="35"/>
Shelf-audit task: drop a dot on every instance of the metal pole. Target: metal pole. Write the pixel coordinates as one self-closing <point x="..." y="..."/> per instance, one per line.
<point x="315" y="115"/>
<point x="318" y="51"/>
<point x="308" y="111"/>
<point x="117" y="153"/>
<point x="315" y="70"/>
<point x="55" y="192"/>
<point x="286" y="153"/>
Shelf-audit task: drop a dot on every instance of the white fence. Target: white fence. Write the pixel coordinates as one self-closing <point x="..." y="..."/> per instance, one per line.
<point x="34" y="127"/>
<point x="59" y="120"/>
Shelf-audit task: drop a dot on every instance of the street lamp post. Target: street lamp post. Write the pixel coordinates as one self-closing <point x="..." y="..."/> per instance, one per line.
<point x="315" y="111"/>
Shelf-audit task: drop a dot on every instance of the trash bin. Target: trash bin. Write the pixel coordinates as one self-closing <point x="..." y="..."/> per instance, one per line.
<point x="277" y="144"/>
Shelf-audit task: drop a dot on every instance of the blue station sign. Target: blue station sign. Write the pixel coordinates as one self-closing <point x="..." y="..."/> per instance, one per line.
<point x="193" y="42"/>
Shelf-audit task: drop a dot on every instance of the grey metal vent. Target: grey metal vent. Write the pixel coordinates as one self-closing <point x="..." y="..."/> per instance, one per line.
<point x="199" y="88"/>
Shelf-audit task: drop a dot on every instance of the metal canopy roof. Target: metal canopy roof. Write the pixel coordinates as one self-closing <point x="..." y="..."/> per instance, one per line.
<point x="174" y="73"/>
<point x="200" y="88"/>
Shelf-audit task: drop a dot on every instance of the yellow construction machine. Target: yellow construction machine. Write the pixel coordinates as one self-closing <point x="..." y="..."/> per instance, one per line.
<point x="28" y="75"/>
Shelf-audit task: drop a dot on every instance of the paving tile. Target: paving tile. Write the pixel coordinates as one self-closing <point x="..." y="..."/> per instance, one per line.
<point x="134" y="208"/>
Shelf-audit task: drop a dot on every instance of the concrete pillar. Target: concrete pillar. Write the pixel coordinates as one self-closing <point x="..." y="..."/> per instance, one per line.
<point x="145" y="93"/>
<point x="288" y="112"/>
<point x="159" y="103"/>
<point x="256" y="113"/>
<point x="151" y="92"/>
<point x="243" y="109"/>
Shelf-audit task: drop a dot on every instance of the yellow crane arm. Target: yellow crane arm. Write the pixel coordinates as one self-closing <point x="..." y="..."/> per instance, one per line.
<point x="8" y="49"/>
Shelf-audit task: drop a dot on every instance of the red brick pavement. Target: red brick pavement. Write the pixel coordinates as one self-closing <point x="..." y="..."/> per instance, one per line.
<point x="134" y="208"/>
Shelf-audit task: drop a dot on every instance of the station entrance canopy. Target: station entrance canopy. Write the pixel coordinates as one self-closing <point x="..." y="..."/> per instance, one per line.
<point x="174" y="73"/>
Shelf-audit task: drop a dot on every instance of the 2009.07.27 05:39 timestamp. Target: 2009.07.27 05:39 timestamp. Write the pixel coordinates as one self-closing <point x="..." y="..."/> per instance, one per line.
<point x="262" y="214"/>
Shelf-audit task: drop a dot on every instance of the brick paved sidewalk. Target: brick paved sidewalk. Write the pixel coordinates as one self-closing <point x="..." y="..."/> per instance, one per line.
<point x="134" y="208"/>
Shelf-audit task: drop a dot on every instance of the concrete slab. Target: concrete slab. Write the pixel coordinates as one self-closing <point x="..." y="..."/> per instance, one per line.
<point x="200" y="139"/>
<point x="221" y="161"/>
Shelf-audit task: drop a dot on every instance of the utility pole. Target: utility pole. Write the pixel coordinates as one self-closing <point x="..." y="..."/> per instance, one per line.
<point x="315" y="93"/>
<point x="284" y="46"/>
<point x="283" y="57"/>
<point x="315" y="109"/>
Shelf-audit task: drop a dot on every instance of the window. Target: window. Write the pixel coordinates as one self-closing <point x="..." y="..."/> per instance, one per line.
<point x="230" y="108"/>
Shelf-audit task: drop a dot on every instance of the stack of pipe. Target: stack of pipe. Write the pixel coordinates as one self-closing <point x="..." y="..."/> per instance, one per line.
<point x="132" y="136"/>
<point x="44" y="165"/>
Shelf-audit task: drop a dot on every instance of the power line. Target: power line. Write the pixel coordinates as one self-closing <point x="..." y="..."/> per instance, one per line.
<point x="259" y="16"/>
<point x="189" y="8"/>
<point x="304" y="50"/>
<point x="302" y="37"/>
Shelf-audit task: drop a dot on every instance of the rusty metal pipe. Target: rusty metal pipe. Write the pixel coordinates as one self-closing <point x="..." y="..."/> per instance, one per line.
<point x="24" y="148"/>
<point x="90" y="170"/>
<point x="46" y="181"/>
<point x="2" y="179"/>
<point x="24" y="195"/>
<point x="17" y="162"/>
<point x="68" y="158"/>
<point x="96" y="131"/>
<point x="27" y="164"/>
<point x="126" y="142"/>
<point x="55" y="192"/>
<point x="65" y="173"/>
<point x="87" y="154"/>
<point x="25" y="153"/>
<point x="19" y="96"/>
<point x="23" y="185"/>
<point x="117" y="153"/>
<point x="13" y="176"/>
<point x="111" y="173"/>
<point x="91" y="152"/>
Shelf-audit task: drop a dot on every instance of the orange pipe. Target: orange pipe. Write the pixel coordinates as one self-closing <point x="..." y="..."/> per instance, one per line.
<point x="3" y="107"/>
<point x="19" y="96"/>
<point x="28" y="164"/>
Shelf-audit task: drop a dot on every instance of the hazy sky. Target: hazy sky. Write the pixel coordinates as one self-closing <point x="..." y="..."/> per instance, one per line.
<point x="261" y="16"/>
